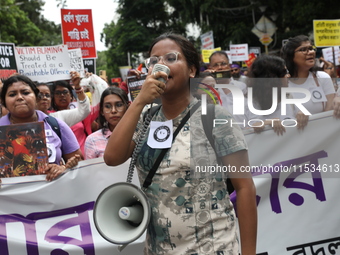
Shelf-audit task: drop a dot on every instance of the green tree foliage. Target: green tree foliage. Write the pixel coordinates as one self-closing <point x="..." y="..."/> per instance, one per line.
<point x="21" y="23"/>
<point x="231" y="22"/>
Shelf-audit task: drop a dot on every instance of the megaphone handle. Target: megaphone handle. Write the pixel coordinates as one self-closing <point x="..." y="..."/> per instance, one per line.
<point x="138" y="147"/>
<point x="121" y="247"/>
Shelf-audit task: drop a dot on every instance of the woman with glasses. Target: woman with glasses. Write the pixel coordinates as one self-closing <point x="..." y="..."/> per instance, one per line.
<point x="113" y="104"/>
<point x="299" y="55"/>
<point x="19" y="95"/>
<point x="69" y="116"/>
<point x="191" y="212"/>
<point x="62" y="96"/>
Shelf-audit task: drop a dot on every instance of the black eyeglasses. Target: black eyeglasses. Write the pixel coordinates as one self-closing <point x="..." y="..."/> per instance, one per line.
<point x="305" y="50"/>
<point x="61" y="93"/>
<point x="119" y="106"/>
<point x="221" y="64"/>
<point x="233" y="70"/>
<point x="168" y="59"/>
<point x="42" y="95"/>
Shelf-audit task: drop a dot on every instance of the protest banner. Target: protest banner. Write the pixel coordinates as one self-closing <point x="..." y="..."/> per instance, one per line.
<point x="297" y="209"/>
<point x="77" y="31"/>
<point x="238" y="52"/>
<point x="207" y="40"/>
<point x="44" y="64"/>
<point x="116" y="79"/>
<point x="76" y="61"/>
<point x="326" y="33"/>
<point x="8" y="63"/>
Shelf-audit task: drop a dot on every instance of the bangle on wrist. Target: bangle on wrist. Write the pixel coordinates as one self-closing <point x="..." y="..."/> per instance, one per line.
<point x="79" y="91"/>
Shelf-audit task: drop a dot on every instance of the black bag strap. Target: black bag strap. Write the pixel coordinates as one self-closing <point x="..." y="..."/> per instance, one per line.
<point x="148" y="179"/>
<point x="53" y="122"/>
<point x="207" y="122"/>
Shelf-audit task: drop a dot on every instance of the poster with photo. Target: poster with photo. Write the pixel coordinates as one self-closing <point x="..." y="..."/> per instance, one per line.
<point x="23" y="149"/>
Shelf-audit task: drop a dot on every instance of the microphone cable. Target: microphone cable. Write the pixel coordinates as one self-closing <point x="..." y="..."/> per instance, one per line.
<point x="138" y="147"/>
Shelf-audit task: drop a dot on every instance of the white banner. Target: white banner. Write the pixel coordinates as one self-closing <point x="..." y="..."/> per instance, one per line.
<point x="298" y="211"/>
<point x="40" y="218"/>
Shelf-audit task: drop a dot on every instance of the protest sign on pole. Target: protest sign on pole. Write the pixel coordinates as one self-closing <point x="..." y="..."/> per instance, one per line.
<point x="77" y="31"/>
<point x="76" y="61"/>
<point x="8" y="63"/>
<point x="44" y="64"/>
<point x="207" y="40"/>
<point x="239" y="52"/>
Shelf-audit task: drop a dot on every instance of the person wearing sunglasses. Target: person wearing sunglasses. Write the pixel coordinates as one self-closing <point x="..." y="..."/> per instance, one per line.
<point x="190" y="214"/>
<point x="113" y="104"/>
<point x="299" y="55"/>
<point x="235" y="71"/>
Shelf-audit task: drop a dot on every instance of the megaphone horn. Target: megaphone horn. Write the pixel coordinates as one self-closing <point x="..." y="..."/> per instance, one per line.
<point x="121" y="213"/>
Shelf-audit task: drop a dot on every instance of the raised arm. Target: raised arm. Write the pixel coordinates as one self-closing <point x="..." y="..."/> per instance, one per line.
<point x="120" y="145"/>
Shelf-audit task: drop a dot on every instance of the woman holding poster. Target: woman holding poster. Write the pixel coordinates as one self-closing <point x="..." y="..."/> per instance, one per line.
<point x="19" y="95"/>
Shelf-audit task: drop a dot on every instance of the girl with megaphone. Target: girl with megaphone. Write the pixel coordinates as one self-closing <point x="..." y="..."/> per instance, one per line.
<point x="191" y="213"/>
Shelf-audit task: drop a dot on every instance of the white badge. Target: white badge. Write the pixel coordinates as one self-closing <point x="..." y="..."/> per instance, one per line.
<point x="318" y="95"/>
<point x="160" y="135"/>
<point x="51" y="151"/>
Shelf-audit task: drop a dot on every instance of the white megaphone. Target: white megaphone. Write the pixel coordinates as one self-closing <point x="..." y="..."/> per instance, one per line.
<point x="121" y="213"/>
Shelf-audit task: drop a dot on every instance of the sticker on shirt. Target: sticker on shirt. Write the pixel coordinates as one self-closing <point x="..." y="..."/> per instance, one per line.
<point x="318" y="96"/>
<point x="160" y="135"/>
<point x="51" y="150"/>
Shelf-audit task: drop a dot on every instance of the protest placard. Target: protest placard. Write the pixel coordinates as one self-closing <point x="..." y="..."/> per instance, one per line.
<point x="77" y="31"/>
<point x="8" y="63"/>
<point x="44" y="64"/>
<point x="76" y="61"/>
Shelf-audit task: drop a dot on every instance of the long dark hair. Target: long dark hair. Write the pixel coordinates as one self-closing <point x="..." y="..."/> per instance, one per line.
<point x="188" y="49"/>
<point x="110" y="91"/>
<point x="17" y="78"/>
<point x="288" y="52"/>
<point x="266" y="73"/>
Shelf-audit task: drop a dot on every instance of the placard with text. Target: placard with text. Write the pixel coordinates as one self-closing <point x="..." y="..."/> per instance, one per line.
<point x="77" y="31"/>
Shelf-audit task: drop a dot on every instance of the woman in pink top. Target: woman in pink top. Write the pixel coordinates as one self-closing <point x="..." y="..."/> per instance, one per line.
<point x="113" y="104"/>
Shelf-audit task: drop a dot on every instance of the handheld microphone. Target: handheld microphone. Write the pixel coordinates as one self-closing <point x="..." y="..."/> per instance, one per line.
<point x="159" y="67"/>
